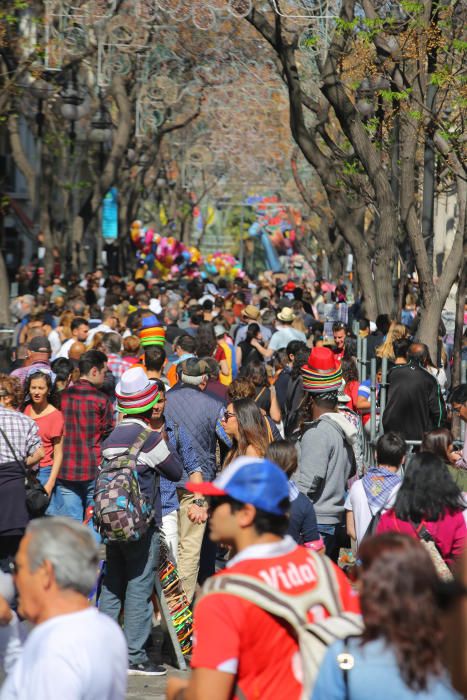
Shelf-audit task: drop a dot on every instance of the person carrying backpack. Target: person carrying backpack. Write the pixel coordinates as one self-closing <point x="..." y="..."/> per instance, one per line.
<point x="376" y="492"/>
<point x="256" y="631"/>
<point x="128" y="513"/>
<point x="326" y="456"/>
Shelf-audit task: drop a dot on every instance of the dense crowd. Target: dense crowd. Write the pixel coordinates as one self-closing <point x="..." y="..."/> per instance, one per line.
<point x="236" y="422"/>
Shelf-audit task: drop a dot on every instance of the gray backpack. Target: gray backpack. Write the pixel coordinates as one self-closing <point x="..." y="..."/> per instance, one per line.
<point x="313" y="637"/>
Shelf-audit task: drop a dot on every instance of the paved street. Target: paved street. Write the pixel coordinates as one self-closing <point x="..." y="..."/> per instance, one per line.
<point x="142" y="688"/>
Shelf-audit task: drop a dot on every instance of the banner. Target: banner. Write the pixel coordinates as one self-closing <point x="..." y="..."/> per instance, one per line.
<point x="110" y="215"/>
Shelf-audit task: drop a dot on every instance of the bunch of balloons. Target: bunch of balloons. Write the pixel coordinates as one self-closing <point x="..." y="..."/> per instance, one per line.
<point x="223" y="264"/>
<point x="163" y="255"/>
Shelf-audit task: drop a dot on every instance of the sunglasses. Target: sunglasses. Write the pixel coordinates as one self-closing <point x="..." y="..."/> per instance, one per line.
<point x="227" y="415"/>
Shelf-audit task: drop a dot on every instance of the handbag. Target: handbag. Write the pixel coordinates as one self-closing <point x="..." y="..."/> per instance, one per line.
<point x="427" y="540"/>
<point x="37" y="498"/>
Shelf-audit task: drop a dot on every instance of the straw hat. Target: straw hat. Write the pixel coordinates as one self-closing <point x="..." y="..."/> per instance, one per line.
<point x="251" y="312"/>
<point x="286" y="315"/>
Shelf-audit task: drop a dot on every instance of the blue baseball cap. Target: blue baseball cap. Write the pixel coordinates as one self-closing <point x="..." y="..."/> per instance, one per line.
<point x="250" y="480"/>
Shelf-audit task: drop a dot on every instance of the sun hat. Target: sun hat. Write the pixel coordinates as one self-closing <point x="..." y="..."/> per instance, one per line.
<point x="286" y="315"/>
<point x="250" y="480"/>
<point x="251" y="312"/>
<point x="151" y="332"/>
<point x="322" y="373"/>
<point x="135" y="392"/>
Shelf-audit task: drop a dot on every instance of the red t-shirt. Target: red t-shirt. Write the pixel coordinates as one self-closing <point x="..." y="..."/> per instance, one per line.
<point x="237" y="637"/>
<point x="351" y="390"/>
<point x="50" y="427"/>
<point x="219" y="355"/>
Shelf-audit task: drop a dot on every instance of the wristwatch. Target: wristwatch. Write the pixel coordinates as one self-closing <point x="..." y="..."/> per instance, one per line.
<point x="200" y="502"/>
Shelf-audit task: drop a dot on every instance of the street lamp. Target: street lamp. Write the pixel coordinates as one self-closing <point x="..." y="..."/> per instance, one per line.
<point x="101" y="126"/>
<point x="73" y="107"/>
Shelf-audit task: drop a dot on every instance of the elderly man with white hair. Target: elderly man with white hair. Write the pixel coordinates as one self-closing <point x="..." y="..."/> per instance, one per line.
<point x="74" y="652"/>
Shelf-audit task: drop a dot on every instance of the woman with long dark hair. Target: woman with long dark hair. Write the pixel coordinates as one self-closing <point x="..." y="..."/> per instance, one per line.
<point x="245" y="425"/>
<point x="245" y="351"/>
<point x="266" y="397"/>
<point x="429" y="501"/>
<point x="352" y="381"/>
<point x="399" y="655"/>
<point x="50" y="421"/>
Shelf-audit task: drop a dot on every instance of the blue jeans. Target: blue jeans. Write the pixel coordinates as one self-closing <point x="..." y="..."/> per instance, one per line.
<point x="77" y="497"/>
<point x="56" y="502"/>
<point x="129" y="582"/>
<point x="329" y="537"/>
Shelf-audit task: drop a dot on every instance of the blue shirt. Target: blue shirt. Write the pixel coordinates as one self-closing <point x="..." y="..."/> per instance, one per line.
<point x="179" y="441"/>
<point x="375" y="675"/>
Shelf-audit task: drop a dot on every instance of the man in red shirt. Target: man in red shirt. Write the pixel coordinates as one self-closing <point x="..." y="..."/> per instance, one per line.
<point x="241" y="651"/>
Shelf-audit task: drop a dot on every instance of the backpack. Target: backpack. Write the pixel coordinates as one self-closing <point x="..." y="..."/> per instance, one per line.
<point x="121" y="512"/>
<point x="313" y="637"/>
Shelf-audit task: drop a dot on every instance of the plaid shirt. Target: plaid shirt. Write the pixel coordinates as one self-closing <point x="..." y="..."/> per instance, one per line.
<point x="117" y="365"/>
<point x="88" y="415"/>
<point x="21" y="431"/>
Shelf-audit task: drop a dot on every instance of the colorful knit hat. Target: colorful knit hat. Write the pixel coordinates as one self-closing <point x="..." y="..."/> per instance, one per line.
<point x="322" y="373"/>
<point x="135" y="392"/>
<point x="151" y="332"/>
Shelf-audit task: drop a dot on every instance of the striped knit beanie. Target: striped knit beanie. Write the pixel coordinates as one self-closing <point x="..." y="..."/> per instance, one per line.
<point x="322" y="373"/>
<point x="151" y="332"/>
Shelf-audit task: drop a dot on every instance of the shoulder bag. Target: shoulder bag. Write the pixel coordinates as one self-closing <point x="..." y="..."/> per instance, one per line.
<point x="37" y="498"/>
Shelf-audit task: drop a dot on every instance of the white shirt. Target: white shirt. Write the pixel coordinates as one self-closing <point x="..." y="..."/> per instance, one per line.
<point x="65" y="349"/>
<point x="79" y="656"/>
<point x="357" y="502"/>
<point x="55" y="342"/>
<point x="101" y="328"/>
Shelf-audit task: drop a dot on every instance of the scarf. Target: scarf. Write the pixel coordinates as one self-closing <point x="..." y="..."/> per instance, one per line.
<point x="379" y="483"/>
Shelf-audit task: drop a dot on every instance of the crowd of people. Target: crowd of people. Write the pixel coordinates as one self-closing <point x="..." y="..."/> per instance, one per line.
<point x="230" y="420"/>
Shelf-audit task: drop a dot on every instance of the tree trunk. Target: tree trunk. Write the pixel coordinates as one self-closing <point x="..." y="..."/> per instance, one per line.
<point x="428" y="328"/>
<point x="459" y="330"/>
<point x="93" y="203"/>
<point x="5" y="318"/>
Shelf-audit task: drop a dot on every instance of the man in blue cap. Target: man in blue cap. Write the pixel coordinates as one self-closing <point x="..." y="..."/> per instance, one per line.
<point x="240" y="650"/>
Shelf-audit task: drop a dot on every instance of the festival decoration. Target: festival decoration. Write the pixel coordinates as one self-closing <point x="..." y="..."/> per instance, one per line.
<point x="167" y="257"/>
<point x="177" y="602"/>
<point x="164" y="256"/>
<point x="223" y="264"/>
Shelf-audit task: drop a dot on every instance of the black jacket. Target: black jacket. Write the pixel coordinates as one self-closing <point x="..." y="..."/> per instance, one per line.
<point x="414" y="402"/>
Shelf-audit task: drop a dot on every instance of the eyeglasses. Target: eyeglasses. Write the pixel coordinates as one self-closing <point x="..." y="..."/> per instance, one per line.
<point x="227" y="415"/>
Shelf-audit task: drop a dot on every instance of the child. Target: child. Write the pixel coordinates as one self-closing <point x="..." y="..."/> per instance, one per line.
<point x="302" y="524"/>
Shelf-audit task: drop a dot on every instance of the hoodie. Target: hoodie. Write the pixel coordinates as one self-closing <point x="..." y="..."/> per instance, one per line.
<point x="326" y="461"/>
